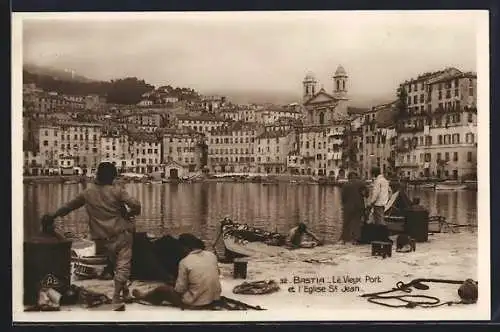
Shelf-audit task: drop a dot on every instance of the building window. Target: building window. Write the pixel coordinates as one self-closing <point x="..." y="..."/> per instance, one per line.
<point x="455" y="156"/>
<point x="438" y="156"/>
<point x="447" y="156"/>
<point x="440" y="139"/>
<point x="469" y="156"/>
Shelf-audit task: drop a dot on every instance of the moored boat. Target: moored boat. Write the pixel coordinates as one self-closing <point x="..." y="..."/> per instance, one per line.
<point x="471" y="185"/>
<point x="242" y="240"/>
<point x="154" y="182"/>
<point x="450" y="186"/>
<point x="397" y="211"/>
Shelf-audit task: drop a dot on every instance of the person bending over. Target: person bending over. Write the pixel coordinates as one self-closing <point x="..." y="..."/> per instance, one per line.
<point x="197" y="283"/>
<point x="296" y="237"/>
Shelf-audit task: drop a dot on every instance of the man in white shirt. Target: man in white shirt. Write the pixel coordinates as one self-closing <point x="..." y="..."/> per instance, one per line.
<point x="381" y="192"/>
<point x="197" y="284"/>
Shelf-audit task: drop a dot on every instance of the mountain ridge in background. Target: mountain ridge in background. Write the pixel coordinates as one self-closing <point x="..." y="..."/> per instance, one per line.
<point x="255" y="96"/>
<point x="60" y="74"/>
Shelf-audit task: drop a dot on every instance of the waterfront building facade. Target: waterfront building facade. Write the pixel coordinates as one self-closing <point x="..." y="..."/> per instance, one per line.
<point x="231" y="149"/>
<point x="272" y="150"/>
<point x="185" y="147"/>
<point x="81" y="141"/>
<point x="145" y="152"/>
<point x="203" y="123"/>
<point x="115" y="149"/>
<point x="319" y="151"/>
<point x="379" y="139"/>
<point x="438" y="133"/>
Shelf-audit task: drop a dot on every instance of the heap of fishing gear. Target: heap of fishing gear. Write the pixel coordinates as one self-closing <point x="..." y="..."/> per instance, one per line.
<point x="247" y="233"/>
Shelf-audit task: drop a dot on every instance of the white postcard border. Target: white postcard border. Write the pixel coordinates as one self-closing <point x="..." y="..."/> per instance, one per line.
<point x="481" y="311"/>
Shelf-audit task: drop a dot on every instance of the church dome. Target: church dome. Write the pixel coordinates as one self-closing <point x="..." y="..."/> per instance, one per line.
<point x="340" y="71"/>
<point x="310" y="76"/>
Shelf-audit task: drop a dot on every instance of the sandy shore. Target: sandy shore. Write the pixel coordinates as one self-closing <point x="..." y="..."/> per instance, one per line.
<point x="444" y="256"/>
<point x="447" y="256"/>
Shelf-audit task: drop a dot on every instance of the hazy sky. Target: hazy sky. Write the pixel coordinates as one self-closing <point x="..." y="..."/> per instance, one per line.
<point x="256" y="51"/>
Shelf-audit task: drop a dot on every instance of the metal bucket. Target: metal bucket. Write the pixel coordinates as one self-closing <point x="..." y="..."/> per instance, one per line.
<point x="240" y="268"/>
<point x="47" y="264"/>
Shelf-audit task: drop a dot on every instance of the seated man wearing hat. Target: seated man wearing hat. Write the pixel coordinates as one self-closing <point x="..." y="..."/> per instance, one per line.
<point x="197" y="283"/>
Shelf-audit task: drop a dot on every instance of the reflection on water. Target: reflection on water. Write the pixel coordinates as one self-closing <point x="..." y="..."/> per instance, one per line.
<point x="197" y="208"/>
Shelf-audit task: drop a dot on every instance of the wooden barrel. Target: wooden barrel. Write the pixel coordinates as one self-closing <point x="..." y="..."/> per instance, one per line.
<point x="417" y="223"/>
<point x="47" y="264"/>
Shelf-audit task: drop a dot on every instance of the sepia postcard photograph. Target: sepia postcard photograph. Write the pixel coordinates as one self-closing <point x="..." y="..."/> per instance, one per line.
<point x="250" y="166"/>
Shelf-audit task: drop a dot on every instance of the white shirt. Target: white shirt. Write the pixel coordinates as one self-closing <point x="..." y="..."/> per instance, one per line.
<point x="381" y="191"/>
<point x="198" y="278"/>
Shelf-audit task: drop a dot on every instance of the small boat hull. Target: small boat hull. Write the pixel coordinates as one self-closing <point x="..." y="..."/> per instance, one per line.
<point x="241" y="248"/>
<point x="451" y="186"/>
<point x="241" y="240"/>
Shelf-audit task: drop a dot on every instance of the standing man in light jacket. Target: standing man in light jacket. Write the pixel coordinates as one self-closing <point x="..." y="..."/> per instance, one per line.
<point x="381" y="193"/>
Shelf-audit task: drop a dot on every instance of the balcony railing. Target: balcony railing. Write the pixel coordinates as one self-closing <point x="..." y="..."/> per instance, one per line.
<point x="402" y="148"/>
<point x="410" y="129"/>
<point x="406" y="164"/>
<point x="337" y="142"/>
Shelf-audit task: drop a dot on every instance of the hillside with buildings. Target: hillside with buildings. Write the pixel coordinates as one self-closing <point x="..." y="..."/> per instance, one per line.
<point x="127" y="91"/>
<point x="427" y="130"/>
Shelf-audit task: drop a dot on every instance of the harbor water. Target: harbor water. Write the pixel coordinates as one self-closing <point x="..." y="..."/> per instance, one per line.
<point x="198" y="207"/>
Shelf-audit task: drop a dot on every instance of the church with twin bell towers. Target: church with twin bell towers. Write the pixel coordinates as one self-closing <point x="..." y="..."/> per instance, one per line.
<point x="321" y="107"/>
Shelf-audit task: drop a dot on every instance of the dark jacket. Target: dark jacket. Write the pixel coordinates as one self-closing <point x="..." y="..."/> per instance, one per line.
<point x="353" y="195"/>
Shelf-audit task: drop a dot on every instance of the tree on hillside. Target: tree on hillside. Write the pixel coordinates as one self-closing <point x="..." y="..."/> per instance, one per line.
<point x="127" y="91"/>
<point x="402" y="103"/>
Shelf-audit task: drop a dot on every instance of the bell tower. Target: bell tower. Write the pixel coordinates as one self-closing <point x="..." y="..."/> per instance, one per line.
<point x="340" y="80"/>
<point x="309" y="86"/>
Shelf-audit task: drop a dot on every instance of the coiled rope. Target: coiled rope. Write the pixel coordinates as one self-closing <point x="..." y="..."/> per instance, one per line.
<point x="468" y="293"/>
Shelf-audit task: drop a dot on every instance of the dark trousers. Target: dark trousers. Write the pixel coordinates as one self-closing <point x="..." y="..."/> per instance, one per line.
<point x="160" y="294"/>
<point x="378" y="215"/>
<point x="351" y="228"/>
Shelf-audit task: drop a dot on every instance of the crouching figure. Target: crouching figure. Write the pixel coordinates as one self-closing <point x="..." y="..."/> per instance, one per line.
<point x="197" y="283"/>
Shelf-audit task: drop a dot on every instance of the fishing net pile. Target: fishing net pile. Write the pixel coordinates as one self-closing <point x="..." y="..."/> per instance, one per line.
<point x="248" y="233"/>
